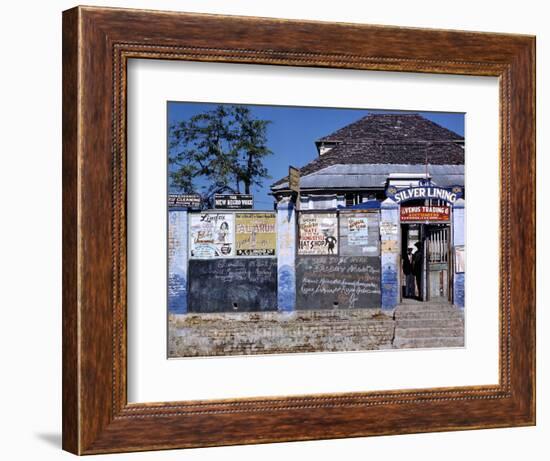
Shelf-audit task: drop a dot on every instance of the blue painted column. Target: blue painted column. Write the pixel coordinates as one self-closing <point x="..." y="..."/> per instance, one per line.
<point x="177" y="260"/>
<point x="389" y="251"/>
<point x="458" y="240"/>
<point x="286" y="255"/>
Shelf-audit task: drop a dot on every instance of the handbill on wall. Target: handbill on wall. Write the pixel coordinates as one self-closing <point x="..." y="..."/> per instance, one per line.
<point x="318" y="234"/>
<point x="358" y="230"/>
<point x="212" y="235"/>
<point x="255" y="234"/>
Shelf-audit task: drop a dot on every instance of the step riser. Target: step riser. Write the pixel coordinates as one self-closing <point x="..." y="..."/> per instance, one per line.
<point x="428" y="315"/>
<point x="430" y="323"/>
<point x="428" y="342"/>
<point x="429" y="333"/>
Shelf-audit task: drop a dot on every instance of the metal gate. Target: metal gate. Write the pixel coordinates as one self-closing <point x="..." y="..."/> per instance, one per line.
<point x="437" y="258"/>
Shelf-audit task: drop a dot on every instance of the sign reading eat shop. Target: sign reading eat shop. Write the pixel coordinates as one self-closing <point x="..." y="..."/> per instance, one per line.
<point x="425" y="213"/>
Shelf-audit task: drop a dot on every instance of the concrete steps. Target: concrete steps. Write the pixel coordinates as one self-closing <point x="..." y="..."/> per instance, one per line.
<point x="440" y="322"/>
<point x="426" y="325"/>
<point x="432" y="315"/>
<point x="409" y="343"/>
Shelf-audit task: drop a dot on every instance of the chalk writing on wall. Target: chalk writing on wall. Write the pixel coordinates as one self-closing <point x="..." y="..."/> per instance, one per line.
<point x="233" y="285"/>
<point x="255" y="234"/>
<point x="212" y="235"/>
<point x="318" y="234"/>
<point x="342" y="282"/>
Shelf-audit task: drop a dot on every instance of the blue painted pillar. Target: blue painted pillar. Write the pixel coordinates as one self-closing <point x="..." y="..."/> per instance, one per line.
<point x="177" y="260"/>
<point x="458" y="240"/>
<point x="389" y="251"/>
<point x="286" y="255"/>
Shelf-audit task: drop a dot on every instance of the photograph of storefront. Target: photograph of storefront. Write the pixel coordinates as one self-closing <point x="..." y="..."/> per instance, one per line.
<point x="362" y="247"/>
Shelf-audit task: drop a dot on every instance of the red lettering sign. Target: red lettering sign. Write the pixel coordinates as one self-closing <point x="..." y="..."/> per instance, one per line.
<point x="425" y="213"/>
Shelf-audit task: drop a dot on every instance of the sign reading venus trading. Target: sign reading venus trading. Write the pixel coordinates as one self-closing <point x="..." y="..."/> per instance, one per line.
<point x="212" y="235"/>
<point x="318" y="234"/>
<point x="233" y="201"/>
<point x="255" y="234"/>
<point x="425" y="213"/>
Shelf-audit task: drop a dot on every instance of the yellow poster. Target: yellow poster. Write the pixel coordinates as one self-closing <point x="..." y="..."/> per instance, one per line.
<point x="255" y="234"/>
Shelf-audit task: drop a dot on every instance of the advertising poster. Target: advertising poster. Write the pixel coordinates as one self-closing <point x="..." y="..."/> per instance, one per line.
<point x="318" y="234"/>
<point x="358" y="230"/>
<point x="212" y="235"/>
<point x="255" y="234"/>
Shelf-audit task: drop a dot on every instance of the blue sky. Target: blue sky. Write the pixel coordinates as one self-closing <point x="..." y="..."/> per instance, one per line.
<point x="293" y="130"/>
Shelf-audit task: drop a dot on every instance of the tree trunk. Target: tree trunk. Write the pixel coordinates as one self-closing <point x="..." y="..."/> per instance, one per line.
<point x="248" y="179"/>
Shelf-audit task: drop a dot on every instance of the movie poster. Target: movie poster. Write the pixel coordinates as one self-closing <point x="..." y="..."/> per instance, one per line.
<point x="212" y="235"/>
<point x="255" y="234"/>
<point x="318" y="234"/>
<point x="358" y="230"/>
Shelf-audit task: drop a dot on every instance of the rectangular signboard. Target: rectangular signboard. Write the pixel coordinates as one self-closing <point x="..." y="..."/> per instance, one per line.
<point x="425" y="213"/>
<point x="212" y="235"/>
<point x="294" y="179"/>
<point x="192" y="201"/>
<point x="318" y="234"/>
<point x="255" y="234"/>
<point x="234" y="201"/>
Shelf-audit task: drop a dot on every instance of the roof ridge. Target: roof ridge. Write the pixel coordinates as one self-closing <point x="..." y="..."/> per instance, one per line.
<point x="395" y="124"/>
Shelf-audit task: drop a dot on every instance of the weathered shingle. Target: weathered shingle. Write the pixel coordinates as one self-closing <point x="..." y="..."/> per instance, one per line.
<point x="392" y="128"/>
<point x="401" y="139"/>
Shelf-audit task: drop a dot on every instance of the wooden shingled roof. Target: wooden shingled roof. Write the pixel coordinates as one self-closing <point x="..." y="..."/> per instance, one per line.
<point x="388" y="139"/>
<point x="392" y="128"/>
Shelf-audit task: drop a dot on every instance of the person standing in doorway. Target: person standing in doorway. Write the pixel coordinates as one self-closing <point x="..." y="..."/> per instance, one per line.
<point x="417" y="268"/>
<point x="409" y="275"/>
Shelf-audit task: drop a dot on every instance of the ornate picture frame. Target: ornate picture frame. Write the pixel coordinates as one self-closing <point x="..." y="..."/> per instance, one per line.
<point x="97" y="44"/>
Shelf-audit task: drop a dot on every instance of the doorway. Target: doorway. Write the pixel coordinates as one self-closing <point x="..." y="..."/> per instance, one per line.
<point x="425" y="262"/>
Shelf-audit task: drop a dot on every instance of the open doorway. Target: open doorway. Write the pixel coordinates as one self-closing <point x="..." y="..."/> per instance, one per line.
<point x="425" y="262"/>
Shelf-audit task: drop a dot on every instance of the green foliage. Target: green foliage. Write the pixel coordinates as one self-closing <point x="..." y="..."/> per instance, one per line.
<point x="218" y="151"/>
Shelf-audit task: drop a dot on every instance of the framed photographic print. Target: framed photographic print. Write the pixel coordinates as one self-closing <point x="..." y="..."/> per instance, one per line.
<point x="282" y="230"/>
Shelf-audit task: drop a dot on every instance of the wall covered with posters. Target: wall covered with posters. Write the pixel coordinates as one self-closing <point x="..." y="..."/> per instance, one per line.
<point x="232" y="261"/>
<point x="233" y="265"/>
<point x="338" y="262"/>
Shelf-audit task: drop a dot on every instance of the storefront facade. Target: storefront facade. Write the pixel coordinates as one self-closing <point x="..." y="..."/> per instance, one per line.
<point x="379" y="218"/>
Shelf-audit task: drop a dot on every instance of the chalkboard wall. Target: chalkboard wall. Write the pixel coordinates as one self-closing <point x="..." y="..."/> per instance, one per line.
<point x="330" y="282"/>
<point x="233" y="285"/>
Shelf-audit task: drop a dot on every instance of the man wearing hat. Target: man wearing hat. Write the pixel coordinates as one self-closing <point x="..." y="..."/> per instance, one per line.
<point x="409" y="275"/>
<point x="417" y="267"/>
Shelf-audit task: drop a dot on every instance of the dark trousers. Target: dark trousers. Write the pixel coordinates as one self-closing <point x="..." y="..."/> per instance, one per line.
<point x="418" y="284"/>
<point x="409" y="286"/>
